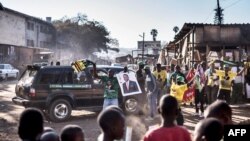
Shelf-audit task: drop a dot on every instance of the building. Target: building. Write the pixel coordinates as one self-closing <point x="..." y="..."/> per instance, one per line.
<point x="124" y="60"/>
<point x="203" y="42"/>
<point x="150" y="52"/>
<point x="22" y="36"/>
<point x="151" y="47"/>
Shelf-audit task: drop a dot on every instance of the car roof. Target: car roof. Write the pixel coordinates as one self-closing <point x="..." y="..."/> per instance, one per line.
<point x="107" y="66"/>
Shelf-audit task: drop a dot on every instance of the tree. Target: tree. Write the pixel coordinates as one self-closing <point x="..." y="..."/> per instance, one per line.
<point x="154" y="33"/>
<point x="81" y="34"/>
<point x="176" y="29"/>
<point x="218" y="17"/>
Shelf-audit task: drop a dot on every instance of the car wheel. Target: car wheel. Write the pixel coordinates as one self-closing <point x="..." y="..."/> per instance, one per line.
<point x="6" y="77"/>
<point x="60" y="110"/>
<point x="131" y="105"/>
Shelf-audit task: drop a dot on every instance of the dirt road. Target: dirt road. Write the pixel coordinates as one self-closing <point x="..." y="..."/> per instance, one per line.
<point x="9" y="115"/>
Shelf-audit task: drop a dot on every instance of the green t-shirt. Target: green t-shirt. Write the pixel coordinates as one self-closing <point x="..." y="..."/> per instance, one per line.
<point x="111" y="87"/>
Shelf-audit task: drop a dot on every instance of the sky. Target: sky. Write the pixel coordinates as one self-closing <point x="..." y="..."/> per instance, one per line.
<point x="127" y="19"/>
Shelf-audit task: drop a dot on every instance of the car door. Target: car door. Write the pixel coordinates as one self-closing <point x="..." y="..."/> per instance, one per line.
<point x="8" y="70"/>
<point x="98" y="88"/>
<point x="82" y="88"/>
<point x="11" y="71"/>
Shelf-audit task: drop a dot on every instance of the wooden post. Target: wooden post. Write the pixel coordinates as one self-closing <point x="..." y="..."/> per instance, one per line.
<point x="193" y="47"/>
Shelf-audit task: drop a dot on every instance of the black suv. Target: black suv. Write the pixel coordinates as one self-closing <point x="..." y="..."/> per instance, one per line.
<point x="58" y="89"/>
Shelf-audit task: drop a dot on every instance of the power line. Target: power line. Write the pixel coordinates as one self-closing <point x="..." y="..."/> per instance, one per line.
<point x="209" y="16"/>
<point x="232" y="4"/>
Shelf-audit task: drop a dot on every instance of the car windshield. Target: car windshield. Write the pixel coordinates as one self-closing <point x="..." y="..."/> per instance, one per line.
<point x="1" y="66"/>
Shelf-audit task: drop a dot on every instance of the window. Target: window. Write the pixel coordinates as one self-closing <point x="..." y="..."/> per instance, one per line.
<point x="44" y="44"/>
<point x="30" y="26"/>
<point x="30" y="43"/>
<point x="1" y="66"/>
<point x="50" y="77"/>
<point x="44" y="29"/>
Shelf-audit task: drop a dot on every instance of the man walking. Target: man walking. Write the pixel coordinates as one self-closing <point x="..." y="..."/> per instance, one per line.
<point x="151" y="90"/>
<point x="211" y="83"/>
<point x="161" y="77"/>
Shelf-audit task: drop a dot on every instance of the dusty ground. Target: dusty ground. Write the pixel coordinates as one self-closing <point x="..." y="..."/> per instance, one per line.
<point x="9" y="114"/>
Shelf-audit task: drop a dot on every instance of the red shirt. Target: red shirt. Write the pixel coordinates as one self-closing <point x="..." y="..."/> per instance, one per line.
<point x="176" y="133"/>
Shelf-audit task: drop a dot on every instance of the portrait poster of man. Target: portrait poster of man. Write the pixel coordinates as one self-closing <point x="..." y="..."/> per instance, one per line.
<point x="128" y="83"/>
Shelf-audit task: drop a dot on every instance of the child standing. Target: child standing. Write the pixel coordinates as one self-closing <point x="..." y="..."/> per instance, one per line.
<point x="112" y="122"/>
<point x="169" y="131"/>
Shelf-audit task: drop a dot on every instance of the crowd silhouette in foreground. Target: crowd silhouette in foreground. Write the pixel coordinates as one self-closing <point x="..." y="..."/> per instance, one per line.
<point x="112" y="123"/>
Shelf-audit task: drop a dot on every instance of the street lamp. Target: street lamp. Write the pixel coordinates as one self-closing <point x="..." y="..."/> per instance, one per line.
<point x="143" y="35"/>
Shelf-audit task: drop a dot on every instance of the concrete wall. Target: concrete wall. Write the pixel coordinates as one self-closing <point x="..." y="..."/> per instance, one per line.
<point x="12" y="29"/>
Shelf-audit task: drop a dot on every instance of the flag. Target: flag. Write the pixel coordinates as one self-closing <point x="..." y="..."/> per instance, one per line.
<point x="188" y="95"/>
<point x="178" y="91"/>
<point x="80" y="65"/>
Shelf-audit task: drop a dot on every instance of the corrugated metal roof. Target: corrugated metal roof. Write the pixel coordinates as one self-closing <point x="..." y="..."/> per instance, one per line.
<point x="187" y="27"/>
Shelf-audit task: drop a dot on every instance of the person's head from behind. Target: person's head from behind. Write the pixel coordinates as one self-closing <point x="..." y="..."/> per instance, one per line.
<point x="30" y="124"/>
<point x="48" y="129"/>
<point x="125" y="77"/>
<point x="111" y="73"/>
<point x="58" y="63"/>
<point x="49" y="136"/>
<point x="158" y="67"/>
<point x="168" y="108"/>
<point x="220" y="110"/>
<point x="209" y="129"/>
<point x="125" y="69"/>
<point x="112" y="122"/>
<point x="141" y="65"/>
<point x="72" y="133"/>
<point x="177" y="68"/>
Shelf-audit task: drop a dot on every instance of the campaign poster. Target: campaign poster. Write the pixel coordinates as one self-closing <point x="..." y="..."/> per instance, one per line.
<point x="128" y="83"/>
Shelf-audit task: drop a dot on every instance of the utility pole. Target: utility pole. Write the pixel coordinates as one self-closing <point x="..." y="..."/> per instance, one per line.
<point x="143" y="36"/>
<point x="218" y="18"/>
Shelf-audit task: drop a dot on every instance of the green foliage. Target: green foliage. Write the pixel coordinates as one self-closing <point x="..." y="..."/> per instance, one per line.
<point x="79" y="32"/>
<point x="154" y="33"/>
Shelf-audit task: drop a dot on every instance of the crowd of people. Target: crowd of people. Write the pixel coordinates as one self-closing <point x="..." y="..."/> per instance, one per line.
<point x="211" y="86"/>
<point x="112" y="123"/>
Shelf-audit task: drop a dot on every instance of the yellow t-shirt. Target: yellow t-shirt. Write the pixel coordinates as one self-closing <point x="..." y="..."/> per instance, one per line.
<point x="225" y="81"/>
<point x="160" y="76"/>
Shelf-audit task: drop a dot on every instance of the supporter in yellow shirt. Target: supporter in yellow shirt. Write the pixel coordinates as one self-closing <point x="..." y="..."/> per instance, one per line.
<point x="161" y="79"/>
<point x="225" y="79"/>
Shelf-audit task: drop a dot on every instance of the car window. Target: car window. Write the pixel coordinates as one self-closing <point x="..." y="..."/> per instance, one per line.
<point x="1" y="66"/>
<point x="28" y="76"/>
<point x="50" y="77"/>
<point x="67" y="77"/>
<point x="83" y="77"/>
<point x="8" y="67"/>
